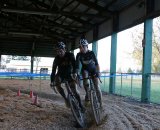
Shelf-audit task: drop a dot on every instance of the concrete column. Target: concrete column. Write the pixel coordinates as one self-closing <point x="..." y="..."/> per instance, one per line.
<point x="113" y="59"/>
<point x="95" y="41"/>
<point x="32" y="63"/>
<point x="147" y="61"/>
<point x="95" y="47"/>
<point x="0" y="61"/>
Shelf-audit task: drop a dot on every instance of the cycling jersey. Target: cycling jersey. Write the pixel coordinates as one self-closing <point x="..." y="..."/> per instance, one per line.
<point x="66" y="66"/>
<point x="88" y="61"/>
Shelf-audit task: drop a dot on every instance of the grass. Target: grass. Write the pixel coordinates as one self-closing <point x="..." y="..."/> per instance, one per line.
<point x="125" y="86"/>
<point x="155" y="90"/>
<point x="131" y="86"/>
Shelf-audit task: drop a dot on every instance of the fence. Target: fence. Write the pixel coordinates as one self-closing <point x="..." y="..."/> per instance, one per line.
<point x="130" y="84"/>
<point x="155" y="87"/>
<point x="127" y="84"/>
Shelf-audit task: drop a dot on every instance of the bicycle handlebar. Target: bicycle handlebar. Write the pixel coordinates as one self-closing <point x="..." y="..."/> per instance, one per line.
<point x="77" y="81"/>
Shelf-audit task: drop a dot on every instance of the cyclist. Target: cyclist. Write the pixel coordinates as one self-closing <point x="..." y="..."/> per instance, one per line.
<point x="89" y="66"/>
<point x="65" y="62"/>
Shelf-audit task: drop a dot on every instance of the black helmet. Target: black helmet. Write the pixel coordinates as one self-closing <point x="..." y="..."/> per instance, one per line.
<point x="83" y="42"/>
<point x="60" y="45"/>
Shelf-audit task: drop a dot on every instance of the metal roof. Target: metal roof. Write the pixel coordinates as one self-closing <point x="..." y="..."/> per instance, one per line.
<point x="33" y="27"/>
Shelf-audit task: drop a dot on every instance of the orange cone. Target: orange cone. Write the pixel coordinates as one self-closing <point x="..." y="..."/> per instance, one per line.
<point x="31" y="94"/>
<point x="19" y="92"/>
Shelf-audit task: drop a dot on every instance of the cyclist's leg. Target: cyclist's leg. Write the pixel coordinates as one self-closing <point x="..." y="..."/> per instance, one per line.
<point x="98" y="90"/>
<point x="76" y="93"/>
<point x="85" y="84"/>
<point x="60" y="89"/>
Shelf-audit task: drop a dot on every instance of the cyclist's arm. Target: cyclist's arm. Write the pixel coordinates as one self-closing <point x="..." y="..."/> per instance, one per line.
<point x="77" y="62"/>
<point x="73" y="61"/>
<point x="54" y="67"/>
<point x="98" y="68"/>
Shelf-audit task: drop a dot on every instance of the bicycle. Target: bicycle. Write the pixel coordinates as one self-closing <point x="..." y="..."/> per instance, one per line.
<point x="95" y="103"/>
<point x="74" y="104"/>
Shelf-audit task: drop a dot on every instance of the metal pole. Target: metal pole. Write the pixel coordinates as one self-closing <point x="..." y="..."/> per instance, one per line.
<point x="131" y="84"/>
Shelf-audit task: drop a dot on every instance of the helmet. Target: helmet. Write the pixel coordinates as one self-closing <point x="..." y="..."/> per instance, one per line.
<point x="83" y="42"/>
<point x="60" y="45"/>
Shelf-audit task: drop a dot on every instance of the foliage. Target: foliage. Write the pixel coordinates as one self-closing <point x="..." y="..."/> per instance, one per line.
<point x="137" y="53"/>
<point x="119" y="70"/>
<point x="129" y="70"/>
<point x="24" y="58"/>
<point x="37" y="60"/>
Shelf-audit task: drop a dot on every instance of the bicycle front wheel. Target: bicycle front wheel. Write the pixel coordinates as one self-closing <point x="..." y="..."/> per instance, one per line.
<point x="95" y="107"/>
<point x="76" y="110"/>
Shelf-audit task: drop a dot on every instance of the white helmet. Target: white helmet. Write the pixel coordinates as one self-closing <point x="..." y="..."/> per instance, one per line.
<point x="83" y="42"/>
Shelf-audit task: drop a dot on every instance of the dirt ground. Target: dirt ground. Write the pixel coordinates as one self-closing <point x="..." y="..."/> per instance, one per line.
<point x="18" y="112"/>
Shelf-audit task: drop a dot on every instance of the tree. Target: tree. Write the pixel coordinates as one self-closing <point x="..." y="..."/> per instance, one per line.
<point x="129" y="70"/>
<point x="119" y="70"/>
<point x="137" y="52"/>
<point x="37" y="60"/>
<point x="156" y="47"/>
<point x="13" y="57"/>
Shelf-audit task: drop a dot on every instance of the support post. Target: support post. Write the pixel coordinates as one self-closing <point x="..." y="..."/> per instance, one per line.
<point x="0" y="61"/>
<point x="113" y="62"/>
<point x="32" y="58"/>
<point x="95" y="47"/>
<point x="147" y="61"/>
<point x="95" y="42"/>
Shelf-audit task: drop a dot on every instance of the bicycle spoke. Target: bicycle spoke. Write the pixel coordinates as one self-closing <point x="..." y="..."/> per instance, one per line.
<point x="95" y="107"/>
<point x="76" y="110"/>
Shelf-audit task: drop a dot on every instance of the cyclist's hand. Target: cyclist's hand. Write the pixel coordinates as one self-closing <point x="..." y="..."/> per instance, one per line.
<point x="98" y="74"/>
<point x="78" y="77"/>
<point x="74" y="76"/>
<point x="52" y="84"/>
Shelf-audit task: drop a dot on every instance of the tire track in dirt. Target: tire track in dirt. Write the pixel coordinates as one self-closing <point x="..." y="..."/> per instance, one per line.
<point x="124" y="115"/>
<point x="141" y="113"/>
<point x="140" y="118"/>
<point x="119" y="113"/>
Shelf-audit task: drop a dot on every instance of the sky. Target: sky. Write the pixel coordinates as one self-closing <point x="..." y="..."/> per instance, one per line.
<point x="124" y="48"/>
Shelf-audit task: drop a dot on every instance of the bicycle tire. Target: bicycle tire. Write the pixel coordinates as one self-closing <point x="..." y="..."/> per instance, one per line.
<point x="76" y="110"/>
<point x="95" y="104"/>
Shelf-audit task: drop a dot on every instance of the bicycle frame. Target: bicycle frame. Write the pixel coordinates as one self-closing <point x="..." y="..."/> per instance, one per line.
<point x="74" y="104"/>
<point x="95" y="104"/>
<point x="75" y="108"/>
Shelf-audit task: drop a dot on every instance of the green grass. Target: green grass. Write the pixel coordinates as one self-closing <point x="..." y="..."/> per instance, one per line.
<point x="124" y="87"/>
<point x="105" y="84"/>
<point x="155" y="90"/>
<point x="127" y="86"/>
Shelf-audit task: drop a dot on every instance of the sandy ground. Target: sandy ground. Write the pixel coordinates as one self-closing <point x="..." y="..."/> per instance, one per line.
<point x="18" y="113"/>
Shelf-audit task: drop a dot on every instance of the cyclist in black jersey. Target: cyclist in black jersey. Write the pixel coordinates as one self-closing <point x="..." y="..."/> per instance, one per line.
<point x="89" y="66"/>
<point x="64" y="63"/>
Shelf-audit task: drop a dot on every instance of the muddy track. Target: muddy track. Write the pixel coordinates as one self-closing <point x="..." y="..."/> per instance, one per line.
<point x="119" y="113"/>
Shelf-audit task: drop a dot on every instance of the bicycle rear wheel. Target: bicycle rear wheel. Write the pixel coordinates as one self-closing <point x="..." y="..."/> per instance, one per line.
<point x="95" y="104"/>
<point x="76" y="110"/>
